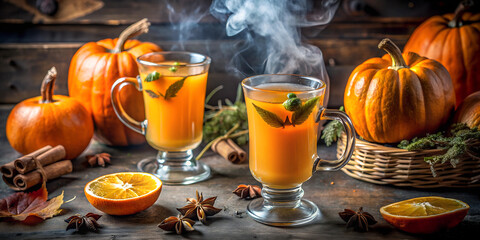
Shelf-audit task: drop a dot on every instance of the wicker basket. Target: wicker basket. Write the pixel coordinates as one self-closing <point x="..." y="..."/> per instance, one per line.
<point x="379" y="164"/>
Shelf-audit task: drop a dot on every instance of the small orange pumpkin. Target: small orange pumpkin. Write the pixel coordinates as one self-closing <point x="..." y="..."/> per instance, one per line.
<point x="469" y="111"/>
<point x="454" y="41"/>
<point x="397" y="97"/>
<point x="93" y="70"/>
<point x="50" y="120"/>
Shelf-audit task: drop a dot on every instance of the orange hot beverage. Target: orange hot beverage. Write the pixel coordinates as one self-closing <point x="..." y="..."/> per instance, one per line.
<point x="174" y="122"/>
<point x="280" y="157"/>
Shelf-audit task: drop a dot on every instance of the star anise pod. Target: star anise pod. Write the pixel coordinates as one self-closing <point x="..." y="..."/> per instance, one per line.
<point x="359" y="220"/>
<point x="83" y="223"/>
<point x="248" y="191"/>
<point x="199" y="208"/>
<point x="98" y="159"/>
<point x="177" y="224"/>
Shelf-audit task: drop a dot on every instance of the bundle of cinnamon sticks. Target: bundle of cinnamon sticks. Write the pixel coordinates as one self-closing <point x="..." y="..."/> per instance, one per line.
<point x="25" y="172"/>
<point x="229" y="150"/>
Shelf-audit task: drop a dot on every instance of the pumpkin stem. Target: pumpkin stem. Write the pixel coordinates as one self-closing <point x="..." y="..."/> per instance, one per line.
<point x="457" y="16"/>
<point x="48" y="84"/>
<point x="133" y="30"/>
<point x="397" y="59"/>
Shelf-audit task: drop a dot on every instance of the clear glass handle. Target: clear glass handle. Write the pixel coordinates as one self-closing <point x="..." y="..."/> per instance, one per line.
<point x="133" y="124"/>
<point x="334" y="165"/>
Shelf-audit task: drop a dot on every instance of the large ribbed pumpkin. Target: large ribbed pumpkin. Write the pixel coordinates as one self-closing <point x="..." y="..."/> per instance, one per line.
<point x="94" y="69"/>
<point x="397" y="97"/>
<point x="469" y="111"/>
<point x="454" y="41"/>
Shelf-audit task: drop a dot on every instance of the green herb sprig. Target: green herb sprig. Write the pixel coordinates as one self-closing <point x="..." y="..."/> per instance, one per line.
<point x="172" y="90"/>
<point x="332" y="131"/>
<point x="225" y="121"/>
<point x="460" y="141"/>
<point x="300" y="113"/>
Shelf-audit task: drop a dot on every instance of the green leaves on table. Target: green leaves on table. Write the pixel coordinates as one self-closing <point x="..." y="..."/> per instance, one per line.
<point x="298" y="117"/>
<point x="459" y="141"/>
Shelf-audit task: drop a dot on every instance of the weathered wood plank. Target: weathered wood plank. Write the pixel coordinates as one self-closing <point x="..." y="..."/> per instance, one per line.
<point x="31" y="33"/>
<point x="125" y="11"/>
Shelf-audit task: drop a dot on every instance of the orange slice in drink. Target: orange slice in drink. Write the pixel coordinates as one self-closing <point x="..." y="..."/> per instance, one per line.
<point x="123" y="193"/>
<point x="425" y="214"/>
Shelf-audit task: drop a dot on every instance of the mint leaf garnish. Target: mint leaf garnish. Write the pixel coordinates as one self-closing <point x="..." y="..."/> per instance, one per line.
<point x="171" y="92"/>
<point x="152" y="93"/>
<point x="304" y="111"/>
<point x="174" y="88"/>
<point x="298" y="117"/>
<point x="287" y="122"/>
<point x="152" y="76"/>
<point x="270" y="118"/>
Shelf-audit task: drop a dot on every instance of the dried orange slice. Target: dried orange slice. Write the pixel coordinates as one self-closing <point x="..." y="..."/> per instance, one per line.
<point x="123" y="193"/>
<point x="425" y="214"/>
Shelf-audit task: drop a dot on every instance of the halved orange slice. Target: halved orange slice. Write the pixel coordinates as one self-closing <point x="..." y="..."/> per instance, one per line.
<point x="425" y="214"/>
<point x="123" y="193"/>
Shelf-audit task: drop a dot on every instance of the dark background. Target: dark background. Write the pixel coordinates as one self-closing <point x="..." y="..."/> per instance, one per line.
<point x="28" y="49"/>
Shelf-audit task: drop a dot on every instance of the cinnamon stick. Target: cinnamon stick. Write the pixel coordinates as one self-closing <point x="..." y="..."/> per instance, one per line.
<point x="229" y="150"/>
<point x="25" y="181"/>
<point x="242" y="155"/>
<point x="8" y="169"/>
<point x="225" y="150"/>
<point x="9" y="182"/>
<point x="26" y="164"/>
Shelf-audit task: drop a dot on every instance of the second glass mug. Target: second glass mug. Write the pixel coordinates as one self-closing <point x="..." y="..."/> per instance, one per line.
<point x="173" y="86"/>
<point x="283" y="114"/>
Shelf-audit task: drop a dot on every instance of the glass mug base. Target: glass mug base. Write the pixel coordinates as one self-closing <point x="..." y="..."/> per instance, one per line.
<point x="282" y="207"/>
<point x="175" y="168"/>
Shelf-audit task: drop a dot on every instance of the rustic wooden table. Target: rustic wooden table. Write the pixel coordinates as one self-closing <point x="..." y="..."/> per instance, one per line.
<point x="331" y="191"/>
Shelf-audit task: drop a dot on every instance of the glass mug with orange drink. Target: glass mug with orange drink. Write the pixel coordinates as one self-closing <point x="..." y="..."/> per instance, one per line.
<point x="283" y="114"/>
<point x="173" y="86"/>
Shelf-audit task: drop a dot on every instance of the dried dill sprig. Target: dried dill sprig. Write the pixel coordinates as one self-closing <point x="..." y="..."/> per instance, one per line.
<point x="332" y="131"/>
<point x="460" y="141"/>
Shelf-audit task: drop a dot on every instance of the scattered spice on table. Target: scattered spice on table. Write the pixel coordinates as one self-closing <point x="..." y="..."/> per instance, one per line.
<point x="199" y="208"/>
<point x="359" y="220"/>
<point x="177" y="224"/>
<point x="83" y="223"/>
<point x="99" y="159"/>
<point x="248" y="191"/>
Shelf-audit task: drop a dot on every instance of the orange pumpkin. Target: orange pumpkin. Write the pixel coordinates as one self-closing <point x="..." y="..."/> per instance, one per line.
<point x="93" y="70"/>
<point x="454" y="41"/>
<point x="469" y="111"/>
<point x="50" y="120"/>
<point x="398" y="97"/>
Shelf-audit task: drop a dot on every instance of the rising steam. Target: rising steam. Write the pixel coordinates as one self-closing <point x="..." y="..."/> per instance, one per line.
<point x="271" y="30"/>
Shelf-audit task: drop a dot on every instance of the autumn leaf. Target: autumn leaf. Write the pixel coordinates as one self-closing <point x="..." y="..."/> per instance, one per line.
<point x="19" y="206"/>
